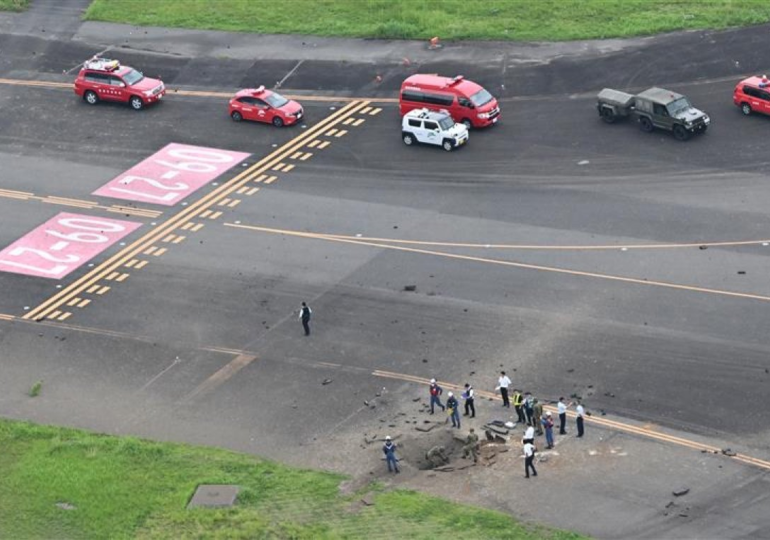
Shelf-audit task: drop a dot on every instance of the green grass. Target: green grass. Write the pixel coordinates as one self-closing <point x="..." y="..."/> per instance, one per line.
<point x="123" y="487"/>
<point x="14" y="5"/>
<point x="448" y="19"/>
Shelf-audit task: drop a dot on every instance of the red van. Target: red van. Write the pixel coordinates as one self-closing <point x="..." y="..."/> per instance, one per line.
<point x="752" y="95"/>
<point x="466" y="101"/>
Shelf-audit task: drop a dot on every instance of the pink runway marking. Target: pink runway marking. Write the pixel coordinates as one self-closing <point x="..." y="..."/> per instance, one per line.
<point x="171" y="174"/>
<point x="62" y="244"/>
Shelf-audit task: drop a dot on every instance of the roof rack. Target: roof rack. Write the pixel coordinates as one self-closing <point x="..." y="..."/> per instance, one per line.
<point x="101" y="64"/>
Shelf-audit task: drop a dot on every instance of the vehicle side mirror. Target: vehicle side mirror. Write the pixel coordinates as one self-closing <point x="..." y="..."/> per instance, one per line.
<point x="122" y="85"/>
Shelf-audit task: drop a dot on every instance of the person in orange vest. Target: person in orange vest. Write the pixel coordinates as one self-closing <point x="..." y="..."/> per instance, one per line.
<point x="518" y="400"/>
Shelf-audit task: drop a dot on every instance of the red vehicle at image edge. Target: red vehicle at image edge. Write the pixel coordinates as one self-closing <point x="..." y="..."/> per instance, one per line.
<point x="105" y="79"/>
<point x="752" y="95"/>
<point x="466" y="102"/>
<point x="263" y="105"/>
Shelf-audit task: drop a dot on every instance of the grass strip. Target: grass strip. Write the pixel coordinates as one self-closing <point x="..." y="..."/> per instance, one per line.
<point x="66" y="483"/>
<point x="520" y="20"/>
<point x="14" y="5"/>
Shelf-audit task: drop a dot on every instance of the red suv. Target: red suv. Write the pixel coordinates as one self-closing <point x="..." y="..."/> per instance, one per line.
<point x="104" y="79"/>
<point x="753" y="95"/>
<point x="264" y="106"/>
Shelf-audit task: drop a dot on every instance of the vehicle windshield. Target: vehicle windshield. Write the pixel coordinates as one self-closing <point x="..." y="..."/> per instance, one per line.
<point x="446" y="123"/>
<point x="276" y="100"/>
<point x="133" y="77"/>
<point x="678" y="106"/>
<point x="482" y="97"/>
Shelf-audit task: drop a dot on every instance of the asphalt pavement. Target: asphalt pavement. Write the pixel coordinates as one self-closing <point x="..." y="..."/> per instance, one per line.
<point x="586" y="259"/>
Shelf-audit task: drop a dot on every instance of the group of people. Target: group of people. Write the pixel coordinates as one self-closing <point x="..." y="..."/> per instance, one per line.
<point x="529" y="412"/>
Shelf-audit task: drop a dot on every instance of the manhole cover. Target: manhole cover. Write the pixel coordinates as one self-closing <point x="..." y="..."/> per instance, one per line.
<point x="214" y="496"/>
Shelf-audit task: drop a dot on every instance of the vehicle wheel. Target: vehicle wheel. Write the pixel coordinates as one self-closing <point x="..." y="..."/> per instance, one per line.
<point x="608" y="115"/>
<point x="680" y="133"/>
<point x="277" y="121"/>
<point x="746" y="109"/>
<point x="136" y="103"/>
<point x="408" y="139"/>
<point x="645" y="124"/>
<point x="448" y="145"/>
<point x="236" y="116"/>
<point x="91" y="98"/>
<point x="467" y="123"/>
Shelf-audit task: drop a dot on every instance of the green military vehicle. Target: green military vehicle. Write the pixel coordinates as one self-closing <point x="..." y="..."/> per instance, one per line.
<point x="654" y="108"/>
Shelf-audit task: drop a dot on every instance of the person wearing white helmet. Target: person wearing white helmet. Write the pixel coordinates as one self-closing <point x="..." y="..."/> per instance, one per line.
<point x="435" y="396"/>
<point x="389" y="449"/>
<point x="454" y="410"/>
<point x="547" y="422"/>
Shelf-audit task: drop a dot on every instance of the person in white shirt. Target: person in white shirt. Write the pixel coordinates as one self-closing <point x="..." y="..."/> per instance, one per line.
<point x="562" y="410"/>
<point x="502" y="384"/>
<point x="580" y="413"/>
<point x="468" y="396"/>
<point x="529" y="436"/>
<point x="529" y="459"/>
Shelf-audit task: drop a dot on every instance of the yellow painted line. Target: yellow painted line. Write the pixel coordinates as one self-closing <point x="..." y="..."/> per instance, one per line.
<point x="609" y="277"/>
<point x="288" y="168"/>
<point x="340" y="133"/>
<point x="160" y="252"/>
<point x="14" y="192"/>
<point x="50" y="200"/>
<point x="93" y="289"/>
<point x="243" y="190"/>
<point x="296" y="154"/>
<point x="55" y="314"/>
<point x="198" y="227"/>
<point x="5" y="317"/>
<point x="221" y="376"/>
<point x="375" y="111"/>
<point x="252" y="191"/>
<point x="314" y="143"/>
<point x="603" y="422"/>
<point x="178" y="239"/>
<point x="188" y="213"/>
<point x="206" y="213"/>
<point x="112" y="276"/>
<point x="169" y="238"/>
<point x="204" y="93"/>
<point x="187" y="225"/>
<point x="142" y="264"/>
<point x="306" y="156"/>
<point x="331" y="132"/>
<point x="73" y="301"/>
<point x="271" y="180"/>
<point x="65" y="316"/>
<point x="359" y="122"/>
<point x="261" y="177"/>
<point x="235" y="203"/>
<point x="121" y="277"/>
<point x="224" y="202"/>
<point x="150" y="250"/>
<point x="131" y="263"/>
<point x="15" y="196"/>
<point x="103" y="290"/>
<point x="84" y="303"/>
<point x="366" y="110"/>
<point x="349" y="121"/>
<point x="323" y="145"/>
<point x="278" y="167"/>
<point x="215" y="215"/>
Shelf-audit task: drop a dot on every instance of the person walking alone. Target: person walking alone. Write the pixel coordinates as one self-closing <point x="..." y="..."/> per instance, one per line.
<point x="468" y="395"/>
<point x="435" y="396"/>
<point x="529" y="459"/>
<point x="502" y="384"/>
<point x="547" y="422"/>
<point x="389" y="449"/>
<point x="454" y="410"/>
<point x="304" y="316"/>
<point x="580" y="411"/>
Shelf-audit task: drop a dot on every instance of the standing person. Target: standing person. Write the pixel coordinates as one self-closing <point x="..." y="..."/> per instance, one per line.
<point x="529" y="436"/>
<point x="529" y="459"/>
<point x="454" y="411"/>
<point x="528" y="405"/>
<point x="435" y="396"/>
<point x="469" y="395"/>
<point x="562" y="410"/>
<point x="502" y="384"/>
<point x="580" y="413"/>
<point x="518" y="399"/>
<point x="547" y="422"/>
<point x="471" y="446"/>
<point x="304" y="316"/>
<point x="389" y="449"/>
<point x="537" y="415"/>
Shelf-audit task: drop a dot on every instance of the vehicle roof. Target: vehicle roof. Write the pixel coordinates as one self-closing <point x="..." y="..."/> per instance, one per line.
<point x="426" y="114"/>
<point x="756" y="81"/>
<point x="254" y="92"/>
<point x="660" y="95"/>
<point x="437" y="82"/>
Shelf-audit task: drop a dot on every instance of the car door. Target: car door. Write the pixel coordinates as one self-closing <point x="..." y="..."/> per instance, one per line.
<point x="99" y="83"/>
<point x="431" y="132"/>
<point x="660" y="117"/>
<point x="764" y="100"/>
<point x="118" y="89"/>
<point x="263" y="111"/>
<point x="245" y="105"/>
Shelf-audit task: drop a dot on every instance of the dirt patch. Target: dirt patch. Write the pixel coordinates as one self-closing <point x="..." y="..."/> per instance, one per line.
<point x="413" y="448"/>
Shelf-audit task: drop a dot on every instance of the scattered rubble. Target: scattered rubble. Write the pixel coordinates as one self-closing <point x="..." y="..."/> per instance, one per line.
<point x="680" y="492"/>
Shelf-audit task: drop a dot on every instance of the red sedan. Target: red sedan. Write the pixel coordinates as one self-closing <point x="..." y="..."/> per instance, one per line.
<point x="261" y="105"/>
